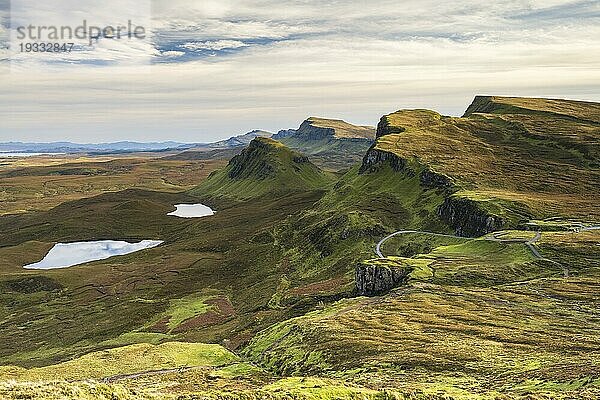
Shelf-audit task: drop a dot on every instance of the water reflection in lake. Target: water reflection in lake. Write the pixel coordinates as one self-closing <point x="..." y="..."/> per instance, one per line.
<point x="64" y="255"/>
<point x="192" y="211"/>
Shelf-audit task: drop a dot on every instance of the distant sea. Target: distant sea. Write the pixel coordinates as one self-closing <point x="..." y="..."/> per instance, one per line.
<point x="10" y="154"/>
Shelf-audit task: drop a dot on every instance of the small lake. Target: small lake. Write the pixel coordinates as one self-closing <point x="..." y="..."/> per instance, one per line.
<point x="64" y="255"/>
<point x="192" y="211"/>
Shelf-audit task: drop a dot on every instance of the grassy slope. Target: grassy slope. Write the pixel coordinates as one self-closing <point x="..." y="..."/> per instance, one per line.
<point x="324" y="242"/>
<point x="204" y="278"/>
<point x="507" y="153"/>
<point x="478" y="317"/>
<point x="126" y="360"/>
<point x="202" y="284"/>
<point x="265" y="167"/>
<point x="487" y="319"/>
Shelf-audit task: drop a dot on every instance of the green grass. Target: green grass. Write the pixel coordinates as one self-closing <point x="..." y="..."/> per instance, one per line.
<point x="126" y="360"/>
<point x="478" y="318"/>
<point x="328" y="240"/>
<point x="265" y="167"/>
<point x="483" y="153"/>
<point x="424" y="337"/>
<point x="319" y="389"/>
<point x="201" y="260"/>
<point x="270" y="275"/>
<point x="182" y="309"/>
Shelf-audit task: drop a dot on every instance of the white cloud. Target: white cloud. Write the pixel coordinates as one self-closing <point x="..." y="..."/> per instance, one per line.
<point x="172" y="53"/>
<point x="341" y="59"/>
<point x="214" y="45"/>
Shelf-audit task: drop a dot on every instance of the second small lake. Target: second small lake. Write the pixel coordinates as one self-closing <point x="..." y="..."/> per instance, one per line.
<point x="192" y="211"/>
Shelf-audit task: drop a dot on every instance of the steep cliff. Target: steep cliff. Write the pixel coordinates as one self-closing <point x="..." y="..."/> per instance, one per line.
<point x="374" y="278"/>
<point x="507" y="160"/>
<point x="468" y="218"/>
<point x="322" y="128"/>
<point x="375" y="159"/>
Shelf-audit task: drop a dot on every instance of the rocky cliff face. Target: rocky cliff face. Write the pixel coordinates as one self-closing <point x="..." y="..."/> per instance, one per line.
<point x="314" y="129"/>
<point x="376" y="279"/>
<point x="384" y="127"/>
<point x="285" y="133"/>
<point x="433" y="180"/>
<point x="467" y="218"/>
<point x="375" y="159"/>
<point x="481" y="104"/>
<point x="311" y="132"/>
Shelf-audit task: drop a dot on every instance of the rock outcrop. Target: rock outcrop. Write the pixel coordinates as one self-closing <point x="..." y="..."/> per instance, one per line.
<point x="467" y="218"/>
<point x="384" y="127"/>
<point x="375" y="159"/>
<point x="314" y="129"/>
<point x="374" y="279"/>
<point x="433" y="180"/>
<point x="482" y="104"/>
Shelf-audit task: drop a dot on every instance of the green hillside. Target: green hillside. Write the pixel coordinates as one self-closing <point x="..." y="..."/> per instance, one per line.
<point x="265" y="166"/>
<point x="474" y="318"/>
<point x="492" y="293"/>
<point x="516" y="157"/>
<point x="213" y="279"/>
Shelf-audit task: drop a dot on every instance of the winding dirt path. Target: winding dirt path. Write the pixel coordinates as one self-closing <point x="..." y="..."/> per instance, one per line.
<point x="120" y="377"/>
<point x="496" y="237"/>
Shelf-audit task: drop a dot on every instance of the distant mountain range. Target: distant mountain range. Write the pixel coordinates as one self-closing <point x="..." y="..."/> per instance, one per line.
<point x="331" y="143"/>
<point x="69" y="147"/>
<point x="313" y="136"/>
<point x="240" y="140"/>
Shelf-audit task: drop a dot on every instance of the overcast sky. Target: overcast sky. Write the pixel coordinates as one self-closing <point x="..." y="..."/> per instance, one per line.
<point x="211" y="69"/>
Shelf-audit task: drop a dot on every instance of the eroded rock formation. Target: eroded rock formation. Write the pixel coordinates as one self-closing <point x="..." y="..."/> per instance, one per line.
<point x="374" y="279"/>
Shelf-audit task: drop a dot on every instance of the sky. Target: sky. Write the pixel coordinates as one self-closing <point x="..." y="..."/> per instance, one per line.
<point x="207" y="70"/>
